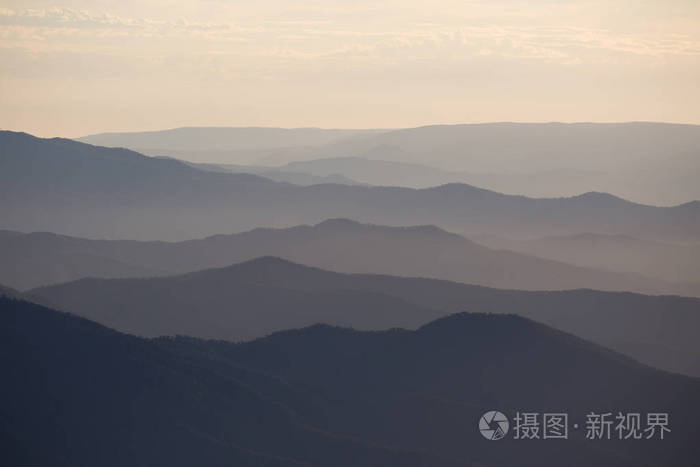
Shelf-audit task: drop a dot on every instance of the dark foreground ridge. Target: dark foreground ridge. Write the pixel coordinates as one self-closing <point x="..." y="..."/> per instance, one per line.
<point x="78" y="394"/>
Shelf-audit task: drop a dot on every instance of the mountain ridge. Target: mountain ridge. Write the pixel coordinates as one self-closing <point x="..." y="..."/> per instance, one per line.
<point x="90" y="192"/>
<point x="245" y="300"/>
<point x="320" y="396"/>
<point x="338" y="244"/>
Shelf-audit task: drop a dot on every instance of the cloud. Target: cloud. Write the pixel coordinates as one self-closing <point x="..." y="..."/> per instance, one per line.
<point x="50" y="29"/>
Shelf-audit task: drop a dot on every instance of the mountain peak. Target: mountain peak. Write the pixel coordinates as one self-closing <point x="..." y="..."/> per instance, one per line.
<point x="597" y="196"/>
<point x="339" y="222"/>
<point x="465" y="322"/>
<point x="269" y="261"/>
<point x="345" y="224"/>
<point x="263" y="268"/>
<point x="690" y="205"/>
<point x="462" y="189"/>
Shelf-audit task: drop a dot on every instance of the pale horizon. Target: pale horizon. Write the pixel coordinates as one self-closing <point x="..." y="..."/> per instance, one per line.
<point x="331" y="128"/>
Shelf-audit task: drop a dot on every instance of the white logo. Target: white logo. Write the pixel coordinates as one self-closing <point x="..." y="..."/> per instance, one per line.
<point x="493" y="425"/>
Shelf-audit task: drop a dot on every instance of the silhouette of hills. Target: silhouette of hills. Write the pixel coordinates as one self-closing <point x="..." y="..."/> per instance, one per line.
<point x="77" y="189"/>
<point x="222" y="138"/>
<point x="488" y="147"/>
<point x="376" y="171"/>
<point x="336" y="244"/>
<point x="8" y="292"/>
<point x="80" y="394"/>
<point x="372" y="168"/>
<point x="276" y="174"/>
<point x="654" y="163"/>
<point x="667" y="261"/>
<point x="649" y="162"/>
<point x="230" y="303"/>
<point x="255" y="298"/>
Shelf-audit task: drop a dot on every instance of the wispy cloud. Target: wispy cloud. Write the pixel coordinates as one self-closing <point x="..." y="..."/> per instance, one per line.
<point x="44" y="29"/>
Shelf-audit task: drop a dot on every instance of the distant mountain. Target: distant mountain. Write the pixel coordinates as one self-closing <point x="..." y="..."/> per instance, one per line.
<point x="489" y="147"/>
<point x="255" y="298"/>
<point x="652" y="163"/>
<point x="224" y="138"/>
<point x="371" y="168"/>
<point x="376" y="172"/>
<point x="196" y="143"/>
<point x="484" y="147"/>
<point x="663" y="182"/>
<point x="78" y="394"/>
<point x="667" y="261"/>
<point x="69" y="186"/>
<point x="42" y="258"/>
<point x="227" y="304"/>
<point x="278" y="175"/>
<point x="72" y="188"/>
<point x="342" y="245"/>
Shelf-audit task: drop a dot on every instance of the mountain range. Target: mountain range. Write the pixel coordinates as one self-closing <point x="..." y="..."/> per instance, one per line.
<point x="37" y="259"/>
<point x="268" y="297"/>
<point x="265" y="295"/>
<point x="652" y="163"/>
<point x="73" y="188"/>
<point x="84" y="395"/>
<point x="370" y="168"/>
<point x="622" y="253"/>
<point x="282" y="174"/>
<point x="222" y="140"/>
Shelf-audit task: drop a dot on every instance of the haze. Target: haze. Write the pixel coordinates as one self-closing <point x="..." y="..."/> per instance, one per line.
<point x="75" y="67"/>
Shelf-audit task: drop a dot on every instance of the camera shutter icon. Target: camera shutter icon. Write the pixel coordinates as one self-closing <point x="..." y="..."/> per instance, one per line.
<point x="493" y="425"/>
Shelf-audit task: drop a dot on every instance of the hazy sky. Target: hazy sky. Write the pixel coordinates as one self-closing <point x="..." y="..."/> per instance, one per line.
<point x="79" y="67"/>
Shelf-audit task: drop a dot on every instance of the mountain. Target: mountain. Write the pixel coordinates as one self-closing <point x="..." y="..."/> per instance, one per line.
<point x="73" y="186"/>
<point x="8" y="292"/>
<point x="666" y="261"/>
<point x="258" y="297"/>
<point x="651" y="163"/>
<point x="76" y="189"/>
<point x="224" y="138"/>
<point x="198" y="143"/>
<point x="80" y="394"/>
<point x="371" y="168"/>
<point x="428" y="387"/>
<point x="489" y="147"/>
<point x="484" y="147"/>
<point x="375" y="171"/>
<point x="658" y="182"/>
<point x="278" y="175"/>
<point x="648" y="162"/>
<point x="342" y="245"/>
<point x="43" y="258"/>
<point x="227" y="304"/>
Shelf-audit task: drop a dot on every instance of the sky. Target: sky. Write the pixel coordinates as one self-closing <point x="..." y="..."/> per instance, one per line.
<point x="80" y="67"/>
